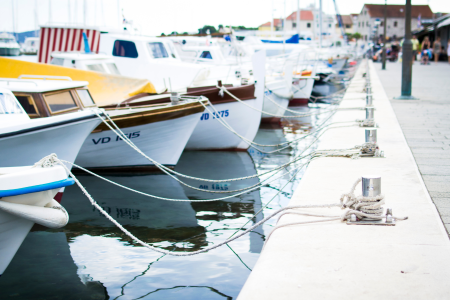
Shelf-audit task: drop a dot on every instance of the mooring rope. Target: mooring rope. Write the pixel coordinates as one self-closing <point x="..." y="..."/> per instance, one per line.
<point x="52" y="160"/>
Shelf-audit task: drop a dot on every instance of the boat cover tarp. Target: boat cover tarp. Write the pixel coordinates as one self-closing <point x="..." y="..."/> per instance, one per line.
<point x="104" y="88"/>
<point x="295" y="39"/>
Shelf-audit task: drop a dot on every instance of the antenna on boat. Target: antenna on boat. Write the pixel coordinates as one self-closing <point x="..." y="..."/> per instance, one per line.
<point x="170" y="85"/>
<point x="87" y="50"/>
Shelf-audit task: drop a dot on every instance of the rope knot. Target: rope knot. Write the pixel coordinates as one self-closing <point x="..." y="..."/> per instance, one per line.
<point x="47" y="162"/>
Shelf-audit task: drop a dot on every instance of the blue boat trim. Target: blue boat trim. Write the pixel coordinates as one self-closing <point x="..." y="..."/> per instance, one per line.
<point x="37" y="188"/>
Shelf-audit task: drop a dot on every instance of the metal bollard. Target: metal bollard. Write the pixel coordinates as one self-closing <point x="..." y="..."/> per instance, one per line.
<point x="370" y="113"/>
<point x="174" y="98"/>
<point x="369" y="100"/>
<point x="369" y="90"/>
<point x="371" y="186"/>
<point x="371" y="136"/>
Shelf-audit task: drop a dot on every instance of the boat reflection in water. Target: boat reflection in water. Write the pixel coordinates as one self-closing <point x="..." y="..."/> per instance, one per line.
<point x="102" y="253"/>
<point x="220" y="166"/>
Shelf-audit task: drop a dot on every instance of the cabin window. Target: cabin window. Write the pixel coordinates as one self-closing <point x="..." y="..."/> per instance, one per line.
<point x="206" y="54"/>
<point x="28" y="104"/>
<point x="125" y="49"/>
<point x="60" y="101"/>
<point x="85" y="97"/>
<point x="9" y="105"/>
<point x="112" y="68"/>
<point x="57" y="61"/>
<point x="96" y="68"/>
<point x="158" y="50"/>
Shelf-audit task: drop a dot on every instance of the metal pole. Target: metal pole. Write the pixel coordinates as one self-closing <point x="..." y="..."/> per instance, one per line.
<point x="407" y="56"/>
<point x="271" y="22"/>
<point x="383" y="66"/>
<point x="298" y="18"/>
<point x="320" y="23"/>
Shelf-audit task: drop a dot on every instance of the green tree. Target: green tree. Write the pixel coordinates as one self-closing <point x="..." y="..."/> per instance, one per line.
<point x="205" y="28"/>
<point x="356" y="35"/>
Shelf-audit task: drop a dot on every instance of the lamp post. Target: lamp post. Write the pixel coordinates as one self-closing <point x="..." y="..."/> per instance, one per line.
<point x="383" y="65"/>
<point x="407" y="57"/>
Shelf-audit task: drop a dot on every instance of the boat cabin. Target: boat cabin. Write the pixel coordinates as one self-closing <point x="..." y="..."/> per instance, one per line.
<point x="151" y="58"/>
<point x="85" y="61"/>
<point x="45" y="96"/>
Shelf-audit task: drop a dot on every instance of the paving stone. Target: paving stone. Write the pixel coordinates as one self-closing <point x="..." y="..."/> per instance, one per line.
<point x="429" y="150"/>
<point x="444" y="211"/>
<point x="425" y="144"/>
<point x="433" y="161"/>
<point x="442" y="202"/>
<point x="439" y="195"/>
<point x="436" y="178"/>
<point x="434" y="170"/>
<point x="434" y="186"/>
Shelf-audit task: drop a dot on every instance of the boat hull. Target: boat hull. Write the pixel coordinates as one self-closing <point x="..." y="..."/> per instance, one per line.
<point x="9" y="51"/>
<point x="302" y="92"/>
<point x="28" y="147"/>
<point x="163" y="141"/>
<point x="209" y="134"/>
<point x="280" y="95"/>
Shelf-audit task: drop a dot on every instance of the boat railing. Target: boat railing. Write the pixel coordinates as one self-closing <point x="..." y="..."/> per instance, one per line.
<point x="8" y="80"/>
<point x="45" y="77"/>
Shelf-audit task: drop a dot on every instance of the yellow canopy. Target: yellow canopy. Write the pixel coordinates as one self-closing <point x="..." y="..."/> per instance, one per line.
<point x="105" y="88"/>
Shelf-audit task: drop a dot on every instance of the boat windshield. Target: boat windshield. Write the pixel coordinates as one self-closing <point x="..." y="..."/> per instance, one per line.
<point x="9" y="105"/>
<point x="7" y="40"/>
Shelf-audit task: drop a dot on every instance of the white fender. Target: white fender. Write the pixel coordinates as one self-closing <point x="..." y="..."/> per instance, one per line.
<point x="53" y="215"/>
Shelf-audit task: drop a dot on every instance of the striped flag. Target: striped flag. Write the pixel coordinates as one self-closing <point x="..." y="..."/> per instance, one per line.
<point x="64" y="40"/>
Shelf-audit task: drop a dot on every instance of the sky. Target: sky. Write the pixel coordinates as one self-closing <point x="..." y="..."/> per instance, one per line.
<point x="152" y="17"/>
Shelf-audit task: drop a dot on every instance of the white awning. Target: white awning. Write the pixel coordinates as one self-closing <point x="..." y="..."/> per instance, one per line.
<point x="444" y="23"/>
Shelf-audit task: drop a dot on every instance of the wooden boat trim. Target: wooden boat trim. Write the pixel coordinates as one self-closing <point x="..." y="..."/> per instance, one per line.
<point x="152" y="116"/>
<point x="245" y="92"/>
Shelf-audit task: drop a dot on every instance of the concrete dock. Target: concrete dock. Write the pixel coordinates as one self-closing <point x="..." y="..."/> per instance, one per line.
<point x="332" y="260"/>
<point x="426" y="124"/>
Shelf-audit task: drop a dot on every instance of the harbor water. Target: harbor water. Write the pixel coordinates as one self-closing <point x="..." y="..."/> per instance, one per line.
<point x="90" y="258"/>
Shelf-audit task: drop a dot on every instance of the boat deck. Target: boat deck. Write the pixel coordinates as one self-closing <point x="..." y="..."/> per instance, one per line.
<point x="332" y="260"/>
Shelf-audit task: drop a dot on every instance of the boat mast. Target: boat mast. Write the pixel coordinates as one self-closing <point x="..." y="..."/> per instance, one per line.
<point x="320" y="23"/>
<point x="49" y="11"/>
<point x="36" y="17"/>
<point x="271" y="22"/>
<point x="298" y="18"/>
<point x="13" y="19"/>
<point x="284" y="26"/>
<point x="68" y="12"/>
<point x="84" y="12"/>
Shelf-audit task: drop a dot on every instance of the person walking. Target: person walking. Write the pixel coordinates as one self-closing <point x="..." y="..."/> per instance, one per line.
<point x="415" y="46"/>
<point x="425" y="49"/>
<point x="437" y="48"/>
<point x="448" y="51"/>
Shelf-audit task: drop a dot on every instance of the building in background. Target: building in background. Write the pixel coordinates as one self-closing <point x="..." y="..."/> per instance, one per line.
<point x="347" y="23"/>
<point x="306" y="21"/>
<point x="373" y="14"/>
<point x="309" y="22"/>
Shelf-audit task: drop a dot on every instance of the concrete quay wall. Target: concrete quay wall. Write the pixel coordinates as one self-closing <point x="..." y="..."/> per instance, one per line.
<point x="332" y="260"/>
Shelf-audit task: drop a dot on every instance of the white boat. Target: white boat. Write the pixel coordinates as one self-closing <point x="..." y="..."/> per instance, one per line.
<point x="161" y="131"/>
<point x="26" y="198"/>
<point x="23" y="141"/>
<point x="92" y="61"/>
<point x="30" y="46"/>
<point x="277" y="96"/>
<point x="8" y="45"/>
<point x="244" y="118"/>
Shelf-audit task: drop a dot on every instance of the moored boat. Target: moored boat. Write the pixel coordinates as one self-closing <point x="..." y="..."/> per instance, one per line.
<point x="27" y="197"/>
<point x="23" y="141"/>
<point x="8" y="45"/>
<point x="161" y="130"/>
